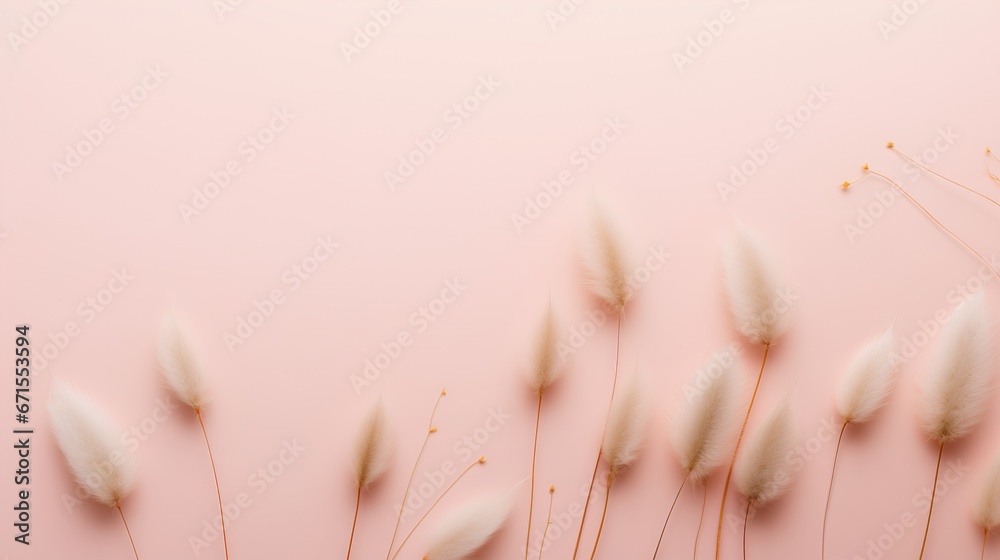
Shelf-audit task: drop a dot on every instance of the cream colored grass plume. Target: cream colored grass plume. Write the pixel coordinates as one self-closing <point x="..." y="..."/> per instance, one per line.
<point x="468" y="528"/>
<point x="546" y="366"/>
<point x="372" y="455"/>
<point x="987" y="505"/>
<point x="704" y="433"/>
<point x="186" y="378"/>
<point x="762" y="470"/>
<point x="863" y="389"/>
<point x="623" y="439"/>
<point x="958" y="382"/>
<point x="607" y="260"/>
<point x="761" y="314"/>
<point x="91" y="444"/>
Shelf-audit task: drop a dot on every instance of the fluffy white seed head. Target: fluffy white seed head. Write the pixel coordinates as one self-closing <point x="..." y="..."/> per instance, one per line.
<point x="627" y="424"/>
<point x="761" y="470"/>
<point x="957" y="386"/>
<point x="92" y="446"/>
<point x="546" y="365"/>
<point x="755" y="292"/>
<point x="179" y="365"/>
<point x="866" y="384"/>
<point x="703" y="436"/>
<point x="373" y="447"/>
<point x="468" y="528"/>
<point x="604" y="255"/>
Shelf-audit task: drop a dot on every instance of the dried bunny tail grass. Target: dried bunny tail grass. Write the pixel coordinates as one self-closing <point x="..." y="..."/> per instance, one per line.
<point x="957" y="386"/>
<point x="987" y="505"/>
<point x="468" y="528"/>
<point x="753" y="288"/>
<point x="865" y="386"/>
<point x="704" y="433"/>
<point x="605" y="258"/>
<point x="179" y="365"/>
<point x="372" y="449"/>
<point x="626" y="425"/>
<point x="92" y="446"/>
<point x="760" y="472"/>
<point x="546" y="364"/>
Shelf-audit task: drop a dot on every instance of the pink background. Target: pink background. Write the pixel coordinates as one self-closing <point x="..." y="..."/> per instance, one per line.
<point x="323" y="175"/>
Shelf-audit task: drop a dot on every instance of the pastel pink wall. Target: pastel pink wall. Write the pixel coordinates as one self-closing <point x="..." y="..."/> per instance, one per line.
<point x="207" y="81"/>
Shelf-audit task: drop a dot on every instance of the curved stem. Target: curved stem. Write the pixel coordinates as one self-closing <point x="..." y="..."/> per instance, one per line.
<point x="430" y="430"/>
<point x="986" y="533"/>
<point x="732" y="463"/>
<point x="604" y="515"/>
<point x="600" y="450"/>
<point x="932" y="172"/>
<point x="218" y="490"/>
<point x="746" y="521"/>
<point x="426" y="513"/>
<point x="127" y="530"/>
<point x="701" y="521"/>
<point x="930" y="510"/>
<point x="531" y="497"/>
<point x="933" y="219"/>
<point x="354" y="524"/>
<point x="548" y="523"/>
<point x="829" y="492"/>
<point x="669" y="512"/>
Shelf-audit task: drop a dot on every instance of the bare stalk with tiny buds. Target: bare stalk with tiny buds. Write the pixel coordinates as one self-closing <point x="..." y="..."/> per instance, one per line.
<point x="430" y="430"/>
<point x="893" y="147"/>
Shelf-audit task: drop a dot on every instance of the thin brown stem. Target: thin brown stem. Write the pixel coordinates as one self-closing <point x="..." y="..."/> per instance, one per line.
<point x="930" y="510"/>
<point x="927" y="213"/>
<point x="604" y="515"/>
<point x="218" y="490"/>
<point x="732" y="462"/>
<point x="829" y="492"/>
<point x="986" y="533"/>
<point x="121" y="513"/>
<point x="431" y="508"/>
<point x="701" y="521"/>
<point x="669" y="512"/>
<point x="354" y="524"/>
<point x="548" y="522"/>
<point x="531" y="496"/>
<point x="892" y="147"/>
<point x="430" y="430"/>
<point x="746" y="522"/>
<point x="992" y="154"/>
<point x="600" y="450"/>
